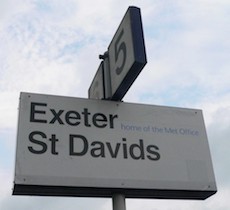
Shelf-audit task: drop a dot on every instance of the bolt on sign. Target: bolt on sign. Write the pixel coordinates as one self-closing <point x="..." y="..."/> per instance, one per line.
<point x="83" y="147"/>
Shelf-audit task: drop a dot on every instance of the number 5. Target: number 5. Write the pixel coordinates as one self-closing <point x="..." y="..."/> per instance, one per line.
<point x="119" y="48"/>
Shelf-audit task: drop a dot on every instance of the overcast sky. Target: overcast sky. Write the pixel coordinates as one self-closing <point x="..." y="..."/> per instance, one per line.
<point x="52" y="47"/>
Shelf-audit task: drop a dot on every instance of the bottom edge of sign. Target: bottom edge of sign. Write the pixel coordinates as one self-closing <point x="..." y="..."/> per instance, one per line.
<point x="39" y="190"/>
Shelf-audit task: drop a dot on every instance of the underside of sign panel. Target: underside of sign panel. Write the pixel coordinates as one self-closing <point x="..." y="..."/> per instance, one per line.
<point x="108" y="192"/>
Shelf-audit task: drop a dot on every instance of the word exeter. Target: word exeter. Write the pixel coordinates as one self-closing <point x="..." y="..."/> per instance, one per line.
<point x="38" y="114"/>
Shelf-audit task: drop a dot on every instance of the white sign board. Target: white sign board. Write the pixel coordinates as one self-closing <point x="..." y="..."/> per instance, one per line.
<point x="127" y="54"/>
<point x="83" y="147"/>
<point x="96" y="89"/>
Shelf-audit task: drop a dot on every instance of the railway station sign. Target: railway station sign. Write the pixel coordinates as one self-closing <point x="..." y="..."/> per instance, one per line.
<point x="125" y="57"/>
<point x="85" y="147"/>
<point x="97" y="87"/>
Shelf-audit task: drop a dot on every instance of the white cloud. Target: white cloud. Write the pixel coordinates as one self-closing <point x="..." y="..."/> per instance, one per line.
<point x="186" y="53"/>
<point x="6" y="183"/>
<point x="8" y="10"/>
<point x="218" y="129"/>
<point x="47" y="203"/>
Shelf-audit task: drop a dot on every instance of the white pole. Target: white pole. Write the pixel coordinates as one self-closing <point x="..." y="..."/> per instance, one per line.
<point x="119" y="202"/>
<point x="118" y="199"/>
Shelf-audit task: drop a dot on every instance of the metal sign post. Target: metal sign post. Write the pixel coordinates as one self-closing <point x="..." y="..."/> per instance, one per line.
<point x="119" y="202"/>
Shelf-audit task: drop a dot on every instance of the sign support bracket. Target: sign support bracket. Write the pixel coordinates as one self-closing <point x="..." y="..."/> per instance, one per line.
<point x="119" y="202"/>
<point x="106" y="76"/>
